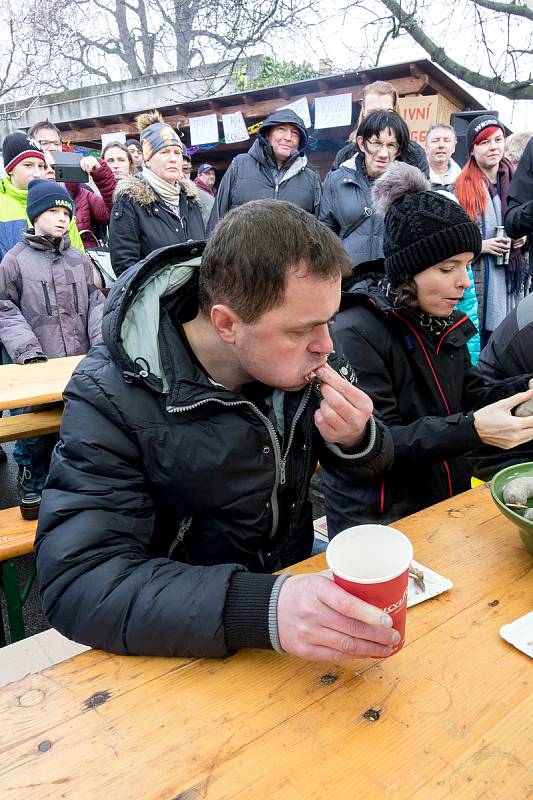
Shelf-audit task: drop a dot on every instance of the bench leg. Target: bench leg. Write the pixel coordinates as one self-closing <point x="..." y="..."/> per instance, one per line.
<point x="14" y="600"/>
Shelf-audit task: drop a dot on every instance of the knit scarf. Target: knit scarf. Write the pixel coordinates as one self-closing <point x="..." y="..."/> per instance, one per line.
<point x="168" y="192"/>
<point x="434" y="325"/>
<point x="516" y="270"/>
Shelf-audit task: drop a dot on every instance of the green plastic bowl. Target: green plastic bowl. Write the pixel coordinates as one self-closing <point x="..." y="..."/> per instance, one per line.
<point x="497" y="485"/>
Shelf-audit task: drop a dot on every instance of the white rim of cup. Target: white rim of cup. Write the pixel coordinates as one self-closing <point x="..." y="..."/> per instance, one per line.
<point x="383" y="579"/>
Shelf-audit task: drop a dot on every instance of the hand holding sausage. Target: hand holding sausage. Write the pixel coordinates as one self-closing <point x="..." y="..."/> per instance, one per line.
<point x="496" y="425"/>
<point x="344" y="411"/>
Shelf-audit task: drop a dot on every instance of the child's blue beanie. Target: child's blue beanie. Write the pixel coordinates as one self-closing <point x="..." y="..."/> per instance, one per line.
<point x="43" y="194"/>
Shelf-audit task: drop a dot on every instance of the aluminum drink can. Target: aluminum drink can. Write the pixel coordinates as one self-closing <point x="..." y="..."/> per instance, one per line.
<point x="499" y="232"/>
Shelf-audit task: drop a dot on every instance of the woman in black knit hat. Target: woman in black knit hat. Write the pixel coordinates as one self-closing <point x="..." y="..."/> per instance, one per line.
<point x="408" y="348"/>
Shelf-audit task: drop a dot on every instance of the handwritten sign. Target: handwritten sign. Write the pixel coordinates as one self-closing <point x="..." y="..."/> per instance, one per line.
<point x="300" y="107"/>
<point x="334" y="111"/>
<point x="118" y="136"/>
<point x="204" y="129"/>
<point x="234" y="128"/>
<point x="419" y="113"/>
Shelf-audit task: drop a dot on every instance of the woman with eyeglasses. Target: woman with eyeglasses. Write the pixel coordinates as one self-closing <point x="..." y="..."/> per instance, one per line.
<point x="346" y="205"/>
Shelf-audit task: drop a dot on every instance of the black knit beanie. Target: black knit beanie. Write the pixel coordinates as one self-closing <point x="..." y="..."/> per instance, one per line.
<point x="18" y="146"/>
<point x="43" y="194"/>
<point x="422" y="227"/>
<point x="480" y="124"/>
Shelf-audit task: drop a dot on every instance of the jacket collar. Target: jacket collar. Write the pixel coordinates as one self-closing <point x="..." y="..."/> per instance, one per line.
<point x="18" y="194"/>
<point x="134" y="327"/>
<point x="45" y="242"/>
<point x="367" y="292"/>
<point x="262" y="152"/>
<point x="137" y="189"/>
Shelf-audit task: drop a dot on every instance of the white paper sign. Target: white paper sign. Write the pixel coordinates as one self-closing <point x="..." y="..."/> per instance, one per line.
<point x="234" y="127"/>
<point x="118" y="136"/>
<point x="300" y="107"/>
<point x="204" y="130"/>
<point x="334" y="111"/>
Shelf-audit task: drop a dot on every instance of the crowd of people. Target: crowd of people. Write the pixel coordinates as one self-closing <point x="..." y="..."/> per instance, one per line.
<point x="376" y="322"/>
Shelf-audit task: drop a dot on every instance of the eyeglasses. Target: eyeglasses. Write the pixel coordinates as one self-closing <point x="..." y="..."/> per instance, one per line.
<point x="49" y="142"/>
<point x="374" y="146"/>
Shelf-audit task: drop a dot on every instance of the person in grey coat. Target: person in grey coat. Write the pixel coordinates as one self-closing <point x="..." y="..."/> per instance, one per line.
<point x="49" y="307"/>
<point x="275" y="167"/>
<point x="346" y="205"/>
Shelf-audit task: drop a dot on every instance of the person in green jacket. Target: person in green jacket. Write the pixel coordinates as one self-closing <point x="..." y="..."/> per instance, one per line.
<point x="23" y="161"/>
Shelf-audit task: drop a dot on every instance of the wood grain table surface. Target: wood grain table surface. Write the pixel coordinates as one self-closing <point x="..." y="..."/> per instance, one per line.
<point x="35" y="384"/>
<point x="450" y="716"/>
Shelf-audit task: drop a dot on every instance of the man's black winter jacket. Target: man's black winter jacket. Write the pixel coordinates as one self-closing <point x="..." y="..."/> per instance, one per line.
<point x="255" y="176"/>
<point x="519" y="215"/>
<point x="170" y="498"/>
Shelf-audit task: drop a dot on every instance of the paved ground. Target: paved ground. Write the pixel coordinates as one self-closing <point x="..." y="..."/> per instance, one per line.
<point x="33" y="616"/>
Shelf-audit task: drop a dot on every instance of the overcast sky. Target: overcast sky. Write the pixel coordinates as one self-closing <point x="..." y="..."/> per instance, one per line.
<point x="350" y="45"/>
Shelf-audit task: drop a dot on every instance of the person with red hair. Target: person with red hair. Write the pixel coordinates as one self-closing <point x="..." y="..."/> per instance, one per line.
<point x="482" y="188"/>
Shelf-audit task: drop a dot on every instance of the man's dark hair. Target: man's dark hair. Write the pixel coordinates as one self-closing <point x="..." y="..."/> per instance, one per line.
<point x="247" y="259"/>
<point x="47" y="125"/>
<point x="378" y="121"/>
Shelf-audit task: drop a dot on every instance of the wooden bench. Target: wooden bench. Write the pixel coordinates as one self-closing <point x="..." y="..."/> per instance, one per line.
<point x="17" y="538"/>
<point x="34" y="423"/>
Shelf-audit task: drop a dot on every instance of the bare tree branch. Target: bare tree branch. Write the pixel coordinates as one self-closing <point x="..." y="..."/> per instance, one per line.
<point x="513" y="9"/>
<point x="515" y="90"/>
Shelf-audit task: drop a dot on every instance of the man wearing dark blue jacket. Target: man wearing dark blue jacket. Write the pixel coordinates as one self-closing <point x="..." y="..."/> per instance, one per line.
<point x="188" y="441"/>
<point x="274" y="167"/>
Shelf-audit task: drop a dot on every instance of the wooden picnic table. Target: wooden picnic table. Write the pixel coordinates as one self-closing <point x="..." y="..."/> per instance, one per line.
<point x="450" y="716"/>
<point x="35" y="384"/>
<point x="39" y="384"/>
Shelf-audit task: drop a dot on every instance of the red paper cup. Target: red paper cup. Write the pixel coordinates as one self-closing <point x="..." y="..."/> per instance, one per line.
<point x="372" y="563"/>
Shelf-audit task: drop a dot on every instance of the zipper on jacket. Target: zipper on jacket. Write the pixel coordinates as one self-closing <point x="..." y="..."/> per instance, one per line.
<point x="47" y="299"/>
<point x="75" y="298"/>
<point x="185" y="524"/>
<point x="276" y="190"/>
<point x="420" y="342"/>
<point x="444" y="463"/>
<point x="280" y="460"/>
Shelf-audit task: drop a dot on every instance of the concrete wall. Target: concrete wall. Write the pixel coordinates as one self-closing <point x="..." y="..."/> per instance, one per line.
<point x="121" y="97"/>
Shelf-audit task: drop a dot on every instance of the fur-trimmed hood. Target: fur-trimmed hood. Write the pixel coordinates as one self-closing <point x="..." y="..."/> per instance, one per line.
<point x="137" y="189"/>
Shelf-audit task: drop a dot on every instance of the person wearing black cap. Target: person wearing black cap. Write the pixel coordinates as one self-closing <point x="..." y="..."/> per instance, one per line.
<point x="482" y="188"/>
<point x="206" y="178"/>
<point x="274" y="167"/>
<point x="408" y="345"/>
<point x="49" y="308"/>
<point x="23" y="161"/>
<point x="136" y="151"/>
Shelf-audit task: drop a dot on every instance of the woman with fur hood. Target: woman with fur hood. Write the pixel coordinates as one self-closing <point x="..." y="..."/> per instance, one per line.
<point x="408" y="344"/>
<point x="154" y="209"/>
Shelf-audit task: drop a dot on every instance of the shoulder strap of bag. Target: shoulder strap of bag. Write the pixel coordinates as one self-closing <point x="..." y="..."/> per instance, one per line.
<point x="359" y="221"/>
